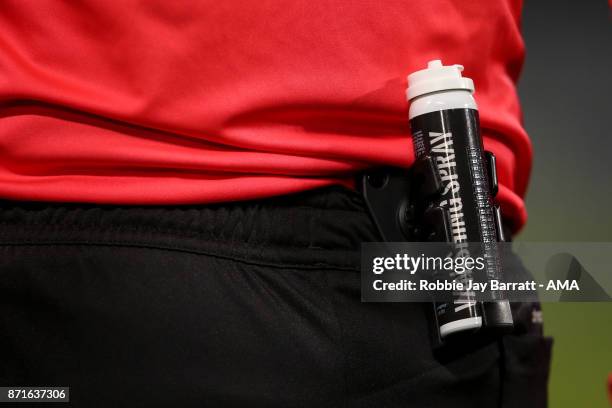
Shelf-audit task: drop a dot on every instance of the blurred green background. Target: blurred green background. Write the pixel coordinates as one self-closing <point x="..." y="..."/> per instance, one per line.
<point x="566" y="93"/>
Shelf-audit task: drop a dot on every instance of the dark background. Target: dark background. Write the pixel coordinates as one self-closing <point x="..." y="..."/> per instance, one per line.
<point x="566" y="91"/>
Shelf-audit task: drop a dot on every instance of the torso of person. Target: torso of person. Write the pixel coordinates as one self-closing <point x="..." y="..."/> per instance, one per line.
<point x="198" y="101"/>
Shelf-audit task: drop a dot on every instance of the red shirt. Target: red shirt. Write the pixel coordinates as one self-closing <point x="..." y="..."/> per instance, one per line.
<point x="163" y="102"/>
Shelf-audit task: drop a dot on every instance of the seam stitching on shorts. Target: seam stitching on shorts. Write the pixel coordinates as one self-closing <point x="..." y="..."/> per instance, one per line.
<point x="318" y="265"/>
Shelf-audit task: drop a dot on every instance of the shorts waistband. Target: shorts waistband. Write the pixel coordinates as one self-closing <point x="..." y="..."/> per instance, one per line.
<point x="315" y="229"/>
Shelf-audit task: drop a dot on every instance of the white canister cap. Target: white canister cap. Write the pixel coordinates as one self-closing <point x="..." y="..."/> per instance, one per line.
<point x="437" y="77"/>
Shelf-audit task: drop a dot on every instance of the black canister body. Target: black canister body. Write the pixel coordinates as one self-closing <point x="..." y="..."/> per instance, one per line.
<point x="445" y="126"/>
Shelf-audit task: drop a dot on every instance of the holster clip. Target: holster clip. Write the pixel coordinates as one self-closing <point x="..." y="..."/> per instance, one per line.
<point x="399" y="202"/>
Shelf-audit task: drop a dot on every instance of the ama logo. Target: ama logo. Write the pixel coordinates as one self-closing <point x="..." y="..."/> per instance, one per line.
<point x="562" y="285"/>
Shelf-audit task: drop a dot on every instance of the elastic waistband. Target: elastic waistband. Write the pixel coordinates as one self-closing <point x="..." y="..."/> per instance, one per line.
<point x="314" y="229"/>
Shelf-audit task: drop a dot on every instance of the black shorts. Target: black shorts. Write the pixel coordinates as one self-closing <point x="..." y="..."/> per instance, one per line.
<point x="253" y="304"/>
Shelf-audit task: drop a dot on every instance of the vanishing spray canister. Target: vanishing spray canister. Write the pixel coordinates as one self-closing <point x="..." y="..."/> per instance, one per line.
<point x="445" y="126"/>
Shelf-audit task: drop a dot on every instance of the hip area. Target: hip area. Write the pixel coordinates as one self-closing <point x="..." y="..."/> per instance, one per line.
<point x="314" y="229"/>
